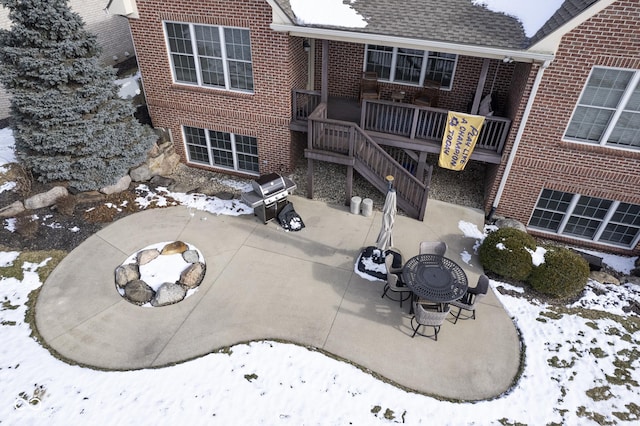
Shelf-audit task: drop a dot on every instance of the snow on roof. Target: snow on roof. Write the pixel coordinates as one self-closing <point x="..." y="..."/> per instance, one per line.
<point x="532" y="14"/>
<point x="327" y="12"/>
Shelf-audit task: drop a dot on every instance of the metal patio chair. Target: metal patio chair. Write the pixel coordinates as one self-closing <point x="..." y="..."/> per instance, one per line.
<point x="434" y="247"/>
<point x="471" y="298"/>
<point x="394" y="284"/>
<point x="428" y="314"/>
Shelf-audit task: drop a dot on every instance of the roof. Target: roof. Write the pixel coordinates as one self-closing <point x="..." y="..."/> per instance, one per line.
<point x="450" y="21"/>
<point x="569" y="10"/>
<point x="454" y="21"/>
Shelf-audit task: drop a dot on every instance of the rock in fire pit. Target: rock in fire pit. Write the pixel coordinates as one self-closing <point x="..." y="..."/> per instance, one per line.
<point x="160" y="274"/>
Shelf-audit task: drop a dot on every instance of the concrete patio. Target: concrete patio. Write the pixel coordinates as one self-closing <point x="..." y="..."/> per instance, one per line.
<point x="265" y="283"/>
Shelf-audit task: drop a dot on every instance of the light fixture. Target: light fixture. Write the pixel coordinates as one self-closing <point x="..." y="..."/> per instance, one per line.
<point x="306" y="45"/>
<point x="507" y="59"/>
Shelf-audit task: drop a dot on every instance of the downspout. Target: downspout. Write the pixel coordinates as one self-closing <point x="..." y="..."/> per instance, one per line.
<point x="516" y="143"/>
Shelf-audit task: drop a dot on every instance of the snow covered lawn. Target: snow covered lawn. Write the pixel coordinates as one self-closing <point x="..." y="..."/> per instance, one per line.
<point x="581" y="367"/>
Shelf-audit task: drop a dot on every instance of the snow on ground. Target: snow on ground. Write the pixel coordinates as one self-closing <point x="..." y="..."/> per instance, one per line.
<point x="7" y="186"/>
<point x="573" y="367"/>
<point x="129" y="86"/>
<point x="6" y="147"/>
<point x="201" y="202"/>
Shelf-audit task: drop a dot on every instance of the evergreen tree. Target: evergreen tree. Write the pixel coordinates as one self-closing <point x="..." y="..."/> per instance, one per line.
<point x="68" y="121"/>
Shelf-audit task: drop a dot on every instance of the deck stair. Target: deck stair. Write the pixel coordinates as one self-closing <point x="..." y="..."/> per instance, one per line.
<point x="344" y="142"/>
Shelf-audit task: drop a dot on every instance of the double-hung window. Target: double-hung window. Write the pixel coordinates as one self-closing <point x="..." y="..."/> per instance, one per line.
<point x="608" y="112"/>
<point x="210" y="56"/>
<point x="220" y="149"/>
<point x="589" y="218"/>
<point x="410" y="66"/>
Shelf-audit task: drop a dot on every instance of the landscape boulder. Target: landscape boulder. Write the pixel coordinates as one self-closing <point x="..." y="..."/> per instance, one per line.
<point x="191" y="256"/>
<point x="168" y="294"/>
<point x="122" y="185"/>
<point x="146" y="256"/>
<point x="140" y="174"/>
<point x="193" y="275"/>
<point x="138" y="292"/>
<point x="630" y="279"/>
<point x="603" y="277"/>
<point x="174" y="248"/>
<point x="45" y="199"/>
<point x="164" y="164"/>
<point x="510" y="223"/>
<point x="12" y="209"/>
<point x="126" y="273"/>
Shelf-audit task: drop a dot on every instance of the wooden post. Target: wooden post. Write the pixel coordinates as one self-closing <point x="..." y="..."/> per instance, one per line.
<point x="481" y="81"/>
<point x="324" y="90"/>
<point x="310" y="179"/>
<point x="349" y="187"/>
<point x="422" y="163"/>
<point x="425" y="195"/>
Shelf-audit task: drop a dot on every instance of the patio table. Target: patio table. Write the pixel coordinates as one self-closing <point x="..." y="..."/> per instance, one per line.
<point x="435" y="278"/>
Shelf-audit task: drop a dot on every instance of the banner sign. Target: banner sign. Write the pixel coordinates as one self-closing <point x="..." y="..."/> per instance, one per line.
<point x="459" y="139"/>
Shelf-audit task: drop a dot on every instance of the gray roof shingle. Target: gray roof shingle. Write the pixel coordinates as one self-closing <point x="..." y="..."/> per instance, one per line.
<point x="453" y="21"/>
<point x="569" y="10"/>
<point x="456" y="21"/>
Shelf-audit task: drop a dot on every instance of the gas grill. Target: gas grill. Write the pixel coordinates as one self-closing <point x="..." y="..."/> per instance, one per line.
<point x="269" y="195"/>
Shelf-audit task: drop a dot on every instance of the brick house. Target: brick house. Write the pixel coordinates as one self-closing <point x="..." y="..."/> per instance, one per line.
<point x="250" y="87"/>
<point x="112" y="32"/>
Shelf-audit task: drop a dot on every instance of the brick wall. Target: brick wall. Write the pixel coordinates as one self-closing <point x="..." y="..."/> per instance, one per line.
<point x="112" y="32"/>
<point x="279" y="64"/>
<point x="543" y="160"/>
<point x="346" y="61"/>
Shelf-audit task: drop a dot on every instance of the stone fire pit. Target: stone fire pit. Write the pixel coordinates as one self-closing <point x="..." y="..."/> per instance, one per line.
<point x="160" y="274"/>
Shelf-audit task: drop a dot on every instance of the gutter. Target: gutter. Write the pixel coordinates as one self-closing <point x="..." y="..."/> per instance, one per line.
<point x="516" y="143"/>
<point x="411" y="43"/>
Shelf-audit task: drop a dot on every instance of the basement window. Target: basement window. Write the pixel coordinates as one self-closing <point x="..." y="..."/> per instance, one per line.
<point x="222" y="150"/>
<point x="589" y="218"/>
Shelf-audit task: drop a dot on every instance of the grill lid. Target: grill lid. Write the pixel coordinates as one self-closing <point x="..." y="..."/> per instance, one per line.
<point x="269" y="184"/>
<point x="268" y="189"/>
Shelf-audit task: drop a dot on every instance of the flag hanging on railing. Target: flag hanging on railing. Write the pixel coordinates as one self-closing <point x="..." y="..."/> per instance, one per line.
<point x="459" y="139"/>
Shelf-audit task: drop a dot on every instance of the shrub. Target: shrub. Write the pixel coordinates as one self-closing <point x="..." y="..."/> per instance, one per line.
<point x="563" y="274"/>
<point x="27" y="226"/>
<point x="66" y="205"/>
<point x="504" y="252"/>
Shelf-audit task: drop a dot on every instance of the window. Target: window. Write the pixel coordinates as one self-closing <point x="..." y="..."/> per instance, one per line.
<point x="410" y="66"/>
<point x="210" y="56"/>
<point x="608" y="112"/>
<point x="591" y="218"/>
<point x="220" y="149"/>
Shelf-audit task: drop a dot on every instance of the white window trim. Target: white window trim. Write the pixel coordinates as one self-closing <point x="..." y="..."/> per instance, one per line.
<point x="209" y="150"/>
<point x="596" y="237"/>
<point x="423" y="70"/>
<point x="614" y="119"/>
<point x="196" y="56"/>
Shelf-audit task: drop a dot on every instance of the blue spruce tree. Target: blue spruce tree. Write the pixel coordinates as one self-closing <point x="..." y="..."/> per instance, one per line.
<point x="68" y="122"/>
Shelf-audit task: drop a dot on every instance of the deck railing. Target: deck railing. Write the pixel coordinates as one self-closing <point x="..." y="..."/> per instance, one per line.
<point x="406" y="120"/>
<point x="372" y="161"/>
<point x="426" y="123"/>
<point x="304" y="102"/>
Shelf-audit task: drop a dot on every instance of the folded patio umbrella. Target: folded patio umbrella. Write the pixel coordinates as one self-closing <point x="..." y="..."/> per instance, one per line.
<point x="385" y="237"/>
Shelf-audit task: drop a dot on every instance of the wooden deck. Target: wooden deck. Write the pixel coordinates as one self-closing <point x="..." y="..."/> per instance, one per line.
<point x="381" y="138"/>
<point x="399" y="125"/>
